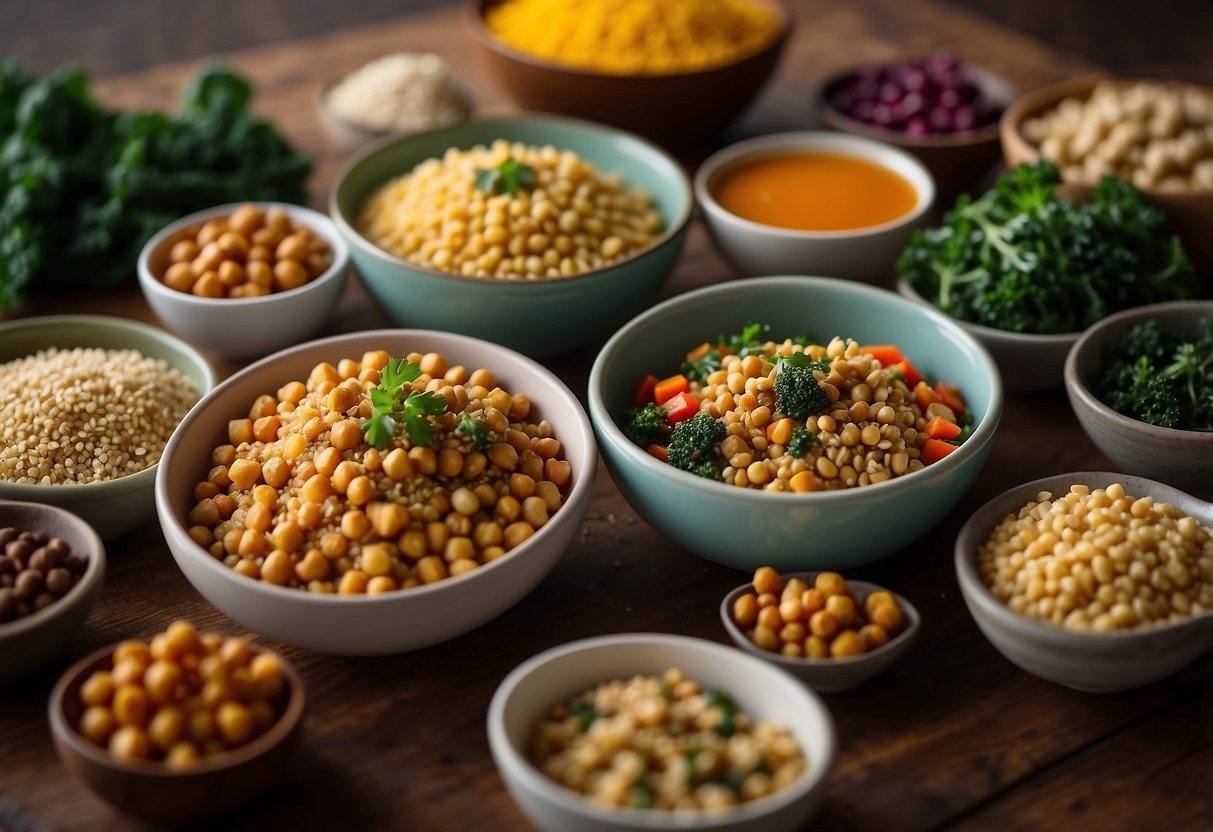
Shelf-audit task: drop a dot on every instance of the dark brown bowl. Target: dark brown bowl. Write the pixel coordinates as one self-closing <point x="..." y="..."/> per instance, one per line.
<point x="957" y="161"/>
<point x="679" y="110"/>
<point x="151" y="790"/>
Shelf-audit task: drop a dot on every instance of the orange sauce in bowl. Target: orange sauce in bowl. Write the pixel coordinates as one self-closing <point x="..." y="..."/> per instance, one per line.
<point x="815" y="191"/>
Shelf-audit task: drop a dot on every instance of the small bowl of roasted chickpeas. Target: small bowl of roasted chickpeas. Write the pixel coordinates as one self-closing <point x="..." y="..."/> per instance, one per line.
<point x="833" y="633"/>
<point x="246" y="279"/>
<point x="179" y="727"/>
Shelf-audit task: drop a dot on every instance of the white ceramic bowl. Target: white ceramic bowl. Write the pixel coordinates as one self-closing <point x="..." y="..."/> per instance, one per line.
<point x="865" y="254"/>
<point x="759" y="689"/>
<point x="241" y="328"/>
<point x="1098" y="663"/>
<point x="395" y="621"/>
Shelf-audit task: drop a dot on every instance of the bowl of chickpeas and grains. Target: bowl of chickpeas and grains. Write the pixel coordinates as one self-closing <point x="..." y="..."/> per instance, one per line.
<point x="347" y="496"/>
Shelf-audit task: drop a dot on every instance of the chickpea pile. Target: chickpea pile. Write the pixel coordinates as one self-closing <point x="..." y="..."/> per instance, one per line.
<point x="663" y="743"/>
<point x="1100" y="560"/>
<point x="252" y="253"/>
<point x="571" y="220"/>
<point x="823" y="621"/>
<point x="1154" y="135"/>
<point x="182" y="697"/>
<point x="298" y="498"/>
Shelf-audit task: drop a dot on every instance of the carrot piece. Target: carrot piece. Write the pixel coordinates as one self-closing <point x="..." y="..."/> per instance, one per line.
<point x="935" y="450"/>
<point x="680" y="407"/>
<point x="950" y="395"/>
<point x="699" y="352"/>
<point x="924" y="395"/>
<point x="941" y="428"/>
<point x="908" y="372"/>
<point x="660" y="452"/>
<point x="667" y="388"/>
<point x="643" y="394"/>
<point x="886" y="354"/>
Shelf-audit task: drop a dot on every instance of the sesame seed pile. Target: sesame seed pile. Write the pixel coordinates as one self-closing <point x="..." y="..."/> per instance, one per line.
<point x="87" y="414"/>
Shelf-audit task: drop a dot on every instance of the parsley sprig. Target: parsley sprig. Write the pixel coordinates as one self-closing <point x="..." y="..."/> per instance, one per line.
<point x="396" y="404"/>
<point x="476" y="430"/>
<point x="509" y="177"/>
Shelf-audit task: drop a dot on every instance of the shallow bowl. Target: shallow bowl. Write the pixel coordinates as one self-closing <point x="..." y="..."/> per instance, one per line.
<point x="243" y="328"/>
<point x="747" y="528"/>
<point x="395" y="621"/>
<point x="864" y="254"/>
<point x="26" y="643"/>
<point x="1180" y="458"/>
<point x="1098" y="663"/>
<point x="760" y="690"/>
<point x="830" y="675"/>
<point x="534" y="316"/>
<point x="112" y="507"/>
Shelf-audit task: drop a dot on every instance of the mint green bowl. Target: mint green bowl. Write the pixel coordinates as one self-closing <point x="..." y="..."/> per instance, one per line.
<point x="746" y="528"/>
<point x="539" y="317"/>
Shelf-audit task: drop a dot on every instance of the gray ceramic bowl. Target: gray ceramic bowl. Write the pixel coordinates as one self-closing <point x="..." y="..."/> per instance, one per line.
<point x="1181" y="458"/>
<point x="747" y="528"/>
<point x="28" y="642"/>
<point x="113" y="507"/>
<point x="538" y="317"/>
<point x="1028" y="363"/>
<point x="865" y="254"/>
<point x="241" y="328"/>
<point x="830" y="675"/>
<point x="1098" y="663"/>
<point x="395" y="621"/>
<point x="760" y="690"/>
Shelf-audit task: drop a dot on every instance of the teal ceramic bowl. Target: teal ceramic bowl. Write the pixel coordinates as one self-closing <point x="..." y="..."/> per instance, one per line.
<point x="539" y="317"/>
<point x="112" y="507"/>
<point x="747" y="528"/>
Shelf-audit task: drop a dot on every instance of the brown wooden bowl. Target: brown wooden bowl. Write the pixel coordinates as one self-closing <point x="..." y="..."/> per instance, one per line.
<point x="1190" y="212"/>
<point x="151" y="790"/>
<point x="680" y="110"/>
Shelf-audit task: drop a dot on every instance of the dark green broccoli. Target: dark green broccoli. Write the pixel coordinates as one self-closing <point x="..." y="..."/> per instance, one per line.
<point x="693" y="446"/>
<point x="1162" y="379"/>
<point x="647" y="425"/>
<point x="801" y="439"/>
<point x="797" y="388"/>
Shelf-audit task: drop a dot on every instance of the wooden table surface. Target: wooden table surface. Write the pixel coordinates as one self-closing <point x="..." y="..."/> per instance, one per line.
<point x="952" y="737"/>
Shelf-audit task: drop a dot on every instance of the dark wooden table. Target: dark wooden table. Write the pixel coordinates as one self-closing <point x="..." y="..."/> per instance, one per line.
<point x="953" y="737"/>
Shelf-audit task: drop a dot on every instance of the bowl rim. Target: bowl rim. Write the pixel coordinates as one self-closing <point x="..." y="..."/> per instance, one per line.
<point x="893" y="645"/>
<point x="461" y="87"/>
<point x="317" y="223"/>
<point x="740" y="153"/>
<point x="583" y="480"/>
<point x="278" y="733"/>
<point x="670" y="235"/>
<point x="685" y="303"/>
<point x="1078" y="388"/>
<point x="1022" y="339"/>
<point x="474" y="18"/>
<point x="90" y="580"/>
<point x="32" y="492"/>
<point x="981" y="600"/>
<point x="572" y="802"/>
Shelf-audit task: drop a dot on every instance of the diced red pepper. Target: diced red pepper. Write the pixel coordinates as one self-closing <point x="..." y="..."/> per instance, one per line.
<point x="924" y="395"/>
<point x="660" y="452"/>
<point x="941" y="428"/>
<point x="908" y="372"/>
<point x="680" y="407"/>
<point x="886" y="354"/>
<point x="935" y="450"/>
<point x="643" y="394"/>
<point x="668" y="388"/>
<point x="950" y="395"/>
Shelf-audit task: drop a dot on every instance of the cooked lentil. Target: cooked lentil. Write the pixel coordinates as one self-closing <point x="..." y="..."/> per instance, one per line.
<point x="1100" y="560"/>
<point x="35" y="571"/>
<point x="87" y="414"/>
<point x="663" y="743"/>
<point x="572" y="220"/>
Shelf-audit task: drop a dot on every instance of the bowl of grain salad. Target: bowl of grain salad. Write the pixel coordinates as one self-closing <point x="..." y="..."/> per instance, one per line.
<point x="653" y="731"/>
<point x="87" y="404"/>
<point x="1098" y="581"/>
<point x="536" y="232"/>
<point x="376" y="492"/>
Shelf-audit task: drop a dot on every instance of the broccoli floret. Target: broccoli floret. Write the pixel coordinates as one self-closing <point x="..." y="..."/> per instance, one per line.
<point x="647" y="425"/>
<point x="799" y="393"/>
<point x="693" y="445"/>
<point x="801" y="439"/>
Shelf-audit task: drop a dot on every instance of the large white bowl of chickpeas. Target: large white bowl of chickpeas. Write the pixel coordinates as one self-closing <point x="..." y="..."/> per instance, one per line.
<point x="245" y="279"/>
<point x="376" y="492"/>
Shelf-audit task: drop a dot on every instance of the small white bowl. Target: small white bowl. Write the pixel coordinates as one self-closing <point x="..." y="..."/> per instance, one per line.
<point x="865" y="254"/>
<point x="241" y="328"/>
<point x="759" y="689"/>
<point x="1092" y="662"/>
<point x="830" y="675"/>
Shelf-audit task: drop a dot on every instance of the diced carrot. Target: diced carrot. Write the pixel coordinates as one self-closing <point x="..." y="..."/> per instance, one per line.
<point x="935" y="450"/>
<point x="908" y="372"/>
<point x="950" y="395"/>
<point x="779" y="426"/>
<point x="923" y="395"/>
<point x="699" y="352"/>
<point x="680" y="407"/>
<point x="643" y="394"/>
<point x="941" y="428"/>
<point x="668" y="388"/>
<point x="660" y="452"/>
<point x="886" y="354"/>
